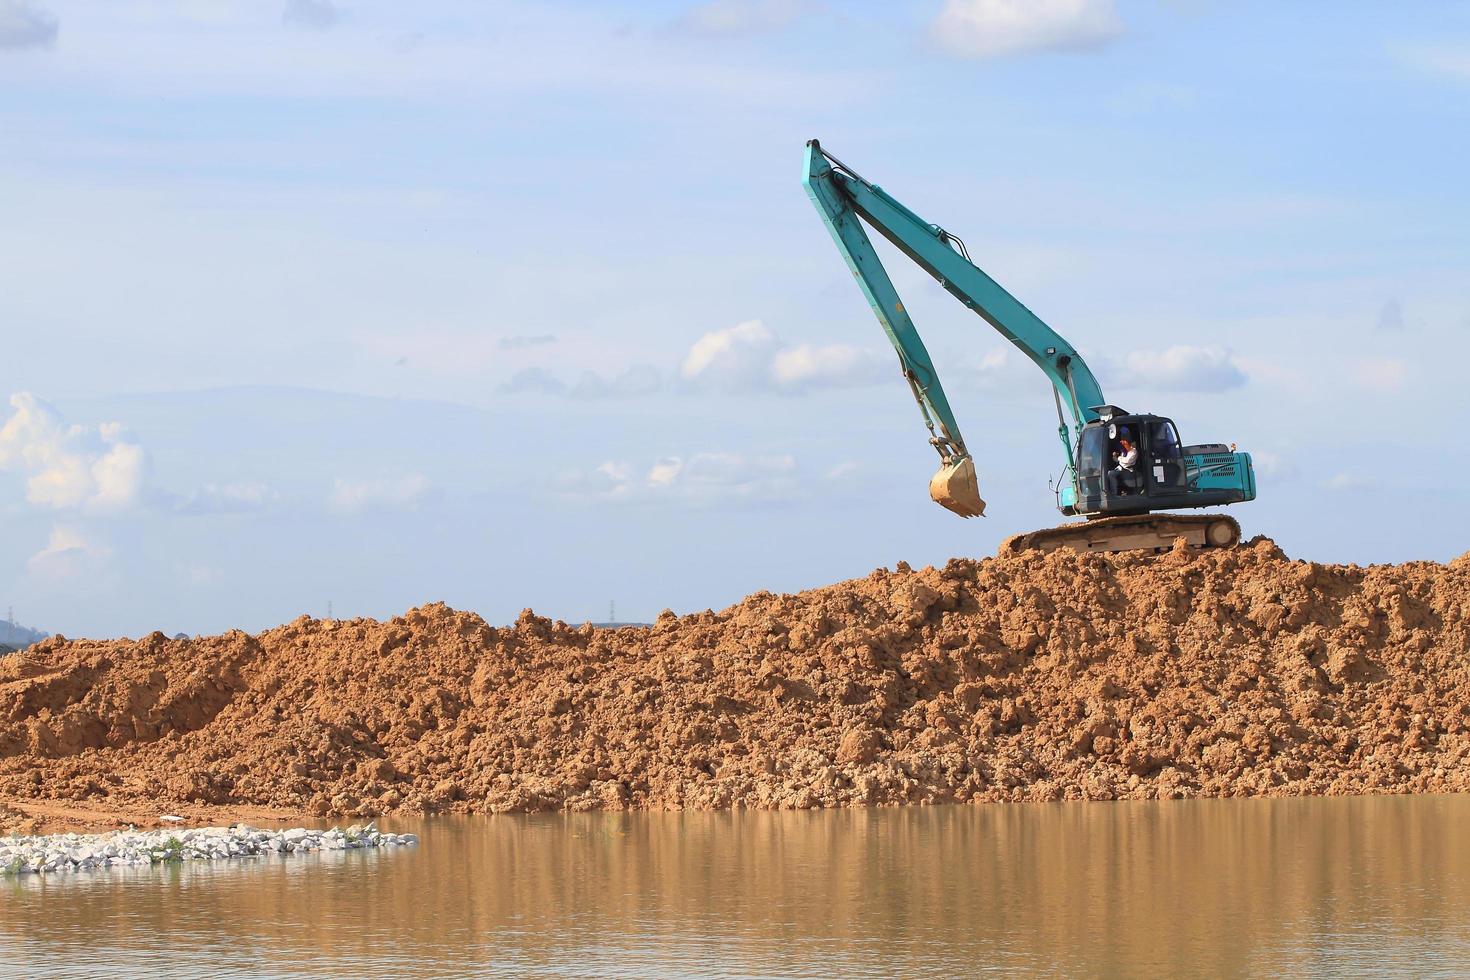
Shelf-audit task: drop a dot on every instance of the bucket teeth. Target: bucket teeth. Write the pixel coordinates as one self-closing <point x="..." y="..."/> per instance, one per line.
<point x="956" y="488"/>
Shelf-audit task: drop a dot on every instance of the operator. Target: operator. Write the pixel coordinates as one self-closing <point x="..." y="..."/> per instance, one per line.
<point x="1127" y="459"/>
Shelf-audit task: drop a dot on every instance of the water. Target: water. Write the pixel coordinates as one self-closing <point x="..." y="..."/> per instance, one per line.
<point x="1366" y="887"/>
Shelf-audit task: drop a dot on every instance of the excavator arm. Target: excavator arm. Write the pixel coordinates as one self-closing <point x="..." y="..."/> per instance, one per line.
<point x="842" y="197"/>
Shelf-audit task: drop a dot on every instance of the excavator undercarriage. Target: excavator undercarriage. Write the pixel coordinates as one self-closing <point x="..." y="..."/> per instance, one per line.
<point x="1132" y="532"/>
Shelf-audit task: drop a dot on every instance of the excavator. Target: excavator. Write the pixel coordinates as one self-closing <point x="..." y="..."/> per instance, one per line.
<point x="1122" y="506"/>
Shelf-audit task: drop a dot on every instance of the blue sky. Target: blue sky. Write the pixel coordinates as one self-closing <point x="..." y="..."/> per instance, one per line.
<point x="522" y="304"/>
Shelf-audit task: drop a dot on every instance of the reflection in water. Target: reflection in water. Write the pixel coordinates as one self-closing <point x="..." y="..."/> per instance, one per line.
<point x="1368" y="886"/>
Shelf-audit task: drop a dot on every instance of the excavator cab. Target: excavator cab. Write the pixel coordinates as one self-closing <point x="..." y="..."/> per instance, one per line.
<point x="1168" y="475"/>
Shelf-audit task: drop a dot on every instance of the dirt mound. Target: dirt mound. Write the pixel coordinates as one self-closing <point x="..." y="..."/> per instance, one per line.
<point x="1035" y="677"/>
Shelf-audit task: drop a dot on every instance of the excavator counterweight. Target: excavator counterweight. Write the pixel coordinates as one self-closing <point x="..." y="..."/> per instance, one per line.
<point x="1120" y="467"/>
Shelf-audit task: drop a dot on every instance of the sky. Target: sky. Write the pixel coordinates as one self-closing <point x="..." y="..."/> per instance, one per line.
<point x="521" y="304"/>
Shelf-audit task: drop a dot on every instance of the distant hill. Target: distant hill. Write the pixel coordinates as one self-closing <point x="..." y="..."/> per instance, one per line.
<point x="18" y="637"/>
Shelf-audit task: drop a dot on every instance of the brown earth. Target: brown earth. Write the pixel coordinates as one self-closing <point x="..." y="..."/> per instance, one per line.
<point x="1034" y="677"/>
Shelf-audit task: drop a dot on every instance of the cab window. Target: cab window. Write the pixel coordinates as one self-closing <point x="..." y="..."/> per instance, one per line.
<point x="1094" y="451"/>
<point x="1166" y="457"/>
<point x="1163" y="439"/>
<point x="1092" y="454"/>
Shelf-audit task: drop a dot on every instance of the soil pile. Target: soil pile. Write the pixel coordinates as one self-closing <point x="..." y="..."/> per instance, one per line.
<point x="1032" y="677"/>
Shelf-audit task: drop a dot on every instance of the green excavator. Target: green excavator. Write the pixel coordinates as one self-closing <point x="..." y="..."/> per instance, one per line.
<point x="1122" y="469"/>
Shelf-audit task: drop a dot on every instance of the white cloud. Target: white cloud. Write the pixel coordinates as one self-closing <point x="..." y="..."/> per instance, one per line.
<point x="746" y="357"/>
<point x="101" y="469"/>
<point x="228" y="498"/>
<point x="735" y="358"/>
<point x="1181" y="368"/>
<point x="831" y="366"/>
<point x="703" y="478"/>
<point x="1381" y="373"/>
<point x="313" y="15"/>
<point x="26" y="25"/>
<point x="98" y="470"/>
<point x="1002" y="370"/>
<point x="381" y="493"/>
<point x="68" y="554"/>
<point x="996" y="28"/>
<point x="725" y="18"/>
<point x="611" y="473"/>
<point x="665" y="472"/>
<point x="118" y="477"/>
<point x="750" y="357"/>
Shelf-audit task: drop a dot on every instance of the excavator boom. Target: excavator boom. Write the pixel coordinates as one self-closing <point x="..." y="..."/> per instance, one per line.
<point x="849" y="205"/>
<point x="842" y="198"/>
<point x="955" y="485"/>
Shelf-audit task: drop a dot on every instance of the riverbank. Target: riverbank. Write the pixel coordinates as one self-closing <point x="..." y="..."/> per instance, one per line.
<point x="25" y="816"/>
<point x="1031" y="677"/>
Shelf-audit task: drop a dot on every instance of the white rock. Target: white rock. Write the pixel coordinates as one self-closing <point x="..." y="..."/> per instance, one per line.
<point x="64" y="853"/>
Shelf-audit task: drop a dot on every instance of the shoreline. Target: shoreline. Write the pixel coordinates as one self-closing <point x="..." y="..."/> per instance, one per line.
<point x="49" y="820"/>
<point x="19" y="817"/>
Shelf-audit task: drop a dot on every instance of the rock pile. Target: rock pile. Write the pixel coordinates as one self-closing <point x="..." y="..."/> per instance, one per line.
<point x="40" y="854"/>
<point x="1027" y="677"/>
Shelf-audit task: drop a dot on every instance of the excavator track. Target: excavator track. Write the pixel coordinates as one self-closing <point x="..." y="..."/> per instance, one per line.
<point x="1134" y="532"/>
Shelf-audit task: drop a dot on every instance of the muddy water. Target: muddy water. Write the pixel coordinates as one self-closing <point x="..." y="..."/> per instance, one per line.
<point x="1358" y="886"/>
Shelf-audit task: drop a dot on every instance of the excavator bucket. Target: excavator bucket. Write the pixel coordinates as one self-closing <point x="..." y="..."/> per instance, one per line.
<point x="955" y="488"/>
